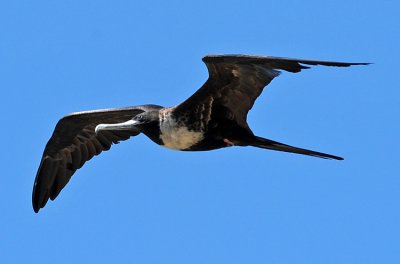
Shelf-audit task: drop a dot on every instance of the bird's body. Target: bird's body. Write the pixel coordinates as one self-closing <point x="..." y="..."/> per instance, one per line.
<point x="175" y="132"/>
<point x="214" y="117"/>
<point x="210" y="129"/>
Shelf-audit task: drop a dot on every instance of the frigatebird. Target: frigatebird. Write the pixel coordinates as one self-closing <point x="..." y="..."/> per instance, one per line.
<point x="214" y="117"/>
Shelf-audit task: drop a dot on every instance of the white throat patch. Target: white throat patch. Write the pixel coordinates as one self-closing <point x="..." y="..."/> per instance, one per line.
<point x="175" y="136"/>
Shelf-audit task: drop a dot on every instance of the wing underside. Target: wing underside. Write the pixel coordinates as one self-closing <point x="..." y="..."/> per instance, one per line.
<point x="74" y="142"/>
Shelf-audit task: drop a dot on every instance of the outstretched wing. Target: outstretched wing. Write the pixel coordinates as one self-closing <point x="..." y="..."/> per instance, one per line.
<point x="235" y="81"/>
<point x="74" y="142"/>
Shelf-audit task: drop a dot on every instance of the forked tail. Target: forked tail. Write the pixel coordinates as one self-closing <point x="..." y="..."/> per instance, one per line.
<point x="260" y="142"/>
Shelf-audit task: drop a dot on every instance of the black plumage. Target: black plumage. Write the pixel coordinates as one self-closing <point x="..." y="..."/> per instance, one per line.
<point x="214" y="117"/>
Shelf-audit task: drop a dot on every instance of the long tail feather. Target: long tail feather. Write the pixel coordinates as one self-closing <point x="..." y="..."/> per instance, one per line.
<point x="260" y="142"/>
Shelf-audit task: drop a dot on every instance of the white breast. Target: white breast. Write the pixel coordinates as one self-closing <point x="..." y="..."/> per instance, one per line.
<point x="176" y="136"/>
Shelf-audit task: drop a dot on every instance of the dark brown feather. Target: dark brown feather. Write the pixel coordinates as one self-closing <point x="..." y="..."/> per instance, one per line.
<point x="74" y="142"/>
<point x="235" y="81"/>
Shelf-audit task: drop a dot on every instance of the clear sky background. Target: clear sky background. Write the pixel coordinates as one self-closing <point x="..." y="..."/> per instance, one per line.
<point x="141" y="203"/>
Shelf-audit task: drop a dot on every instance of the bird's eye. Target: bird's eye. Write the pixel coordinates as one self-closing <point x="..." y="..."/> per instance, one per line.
<point x="139" y="117"/>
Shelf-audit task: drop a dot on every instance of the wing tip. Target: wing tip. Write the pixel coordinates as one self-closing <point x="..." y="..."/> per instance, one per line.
<point x="39" y="202"/>
<point x="328" y="156"/>
<point x="44" y="177"/>
<point x="258" y="58"/>
<point x="36" y="208"/>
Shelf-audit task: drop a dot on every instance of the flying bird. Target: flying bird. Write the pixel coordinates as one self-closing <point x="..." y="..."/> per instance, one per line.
<point x="214" y="117"/>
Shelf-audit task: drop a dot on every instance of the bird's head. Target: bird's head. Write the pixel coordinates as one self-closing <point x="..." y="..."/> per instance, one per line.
<point x="140" y="123"/>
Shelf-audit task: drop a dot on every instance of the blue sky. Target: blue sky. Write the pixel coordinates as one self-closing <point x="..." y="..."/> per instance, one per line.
<point x="141" y="203"/>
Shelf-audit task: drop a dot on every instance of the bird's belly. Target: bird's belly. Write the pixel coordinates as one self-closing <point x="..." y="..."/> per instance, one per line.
<point x="180" y="138"/>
